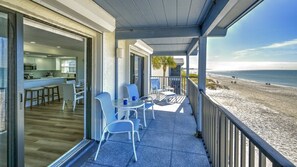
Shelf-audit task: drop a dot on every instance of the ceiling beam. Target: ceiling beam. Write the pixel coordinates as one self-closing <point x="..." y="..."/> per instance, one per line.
<point x="218" y="32"/>
<point x="193" y="45"/>
<point x="169" y="53"/>
<point x="218" y="11"/>
<point x="157" y="32"/>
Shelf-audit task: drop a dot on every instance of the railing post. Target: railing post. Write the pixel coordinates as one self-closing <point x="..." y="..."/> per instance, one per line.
<point x="199" y="114"/>
<point x="201" y="51"/>
<point x="251" y="154"/>
<point x="231" y="145"/>
<point x="262" y="160"/>
<point x="236" y="151"/>
<point x="222" y="139"/>
<point x="187" y="74"/>
<point x="243" y="150"/>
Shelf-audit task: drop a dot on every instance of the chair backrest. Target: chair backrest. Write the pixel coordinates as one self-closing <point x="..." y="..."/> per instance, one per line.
<point x="71" y="82"/>
<point x="68" y="91"/>
<point x="106" y="107"/>
<point x="155" y="84"/>
<point x="132" y="90"/>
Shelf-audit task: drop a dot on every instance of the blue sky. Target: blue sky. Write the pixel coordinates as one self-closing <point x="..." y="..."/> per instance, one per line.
<point x="265" y="38"/>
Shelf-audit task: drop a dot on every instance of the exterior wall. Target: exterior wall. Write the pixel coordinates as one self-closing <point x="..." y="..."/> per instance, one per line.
<point x="159" y="72"/>
<point x="124" y="67"/>
<point x="37" y="11"/>
<point x="103" y="51"/>
<point x="146" y="56"/>
<point x="109" y="63"/>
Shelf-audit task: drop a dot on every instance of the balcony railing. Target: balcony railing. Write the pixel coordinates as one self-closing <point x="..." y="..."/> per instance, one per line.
<point x="176" y="82"/>
<point x="228" y="141"/>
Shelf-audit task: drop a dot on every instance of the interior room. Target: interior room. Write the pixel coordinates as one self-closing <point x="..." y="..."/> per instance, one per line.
<point x="54" y="77"/>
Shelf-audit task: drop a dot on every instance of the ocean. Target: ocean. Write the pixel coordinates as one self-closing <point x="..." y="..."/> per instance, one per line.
<point x="277" y="77"/>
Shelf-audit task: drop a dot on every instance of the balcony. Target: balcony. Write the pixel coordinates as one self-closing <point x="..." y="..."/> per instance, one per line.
<point x="167" y="141"/>
<point x="170" y="139"/>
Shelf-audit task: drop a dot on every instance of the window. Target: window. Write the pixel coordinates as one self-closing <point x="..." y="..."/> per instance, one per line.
<point x="68" y="66"/>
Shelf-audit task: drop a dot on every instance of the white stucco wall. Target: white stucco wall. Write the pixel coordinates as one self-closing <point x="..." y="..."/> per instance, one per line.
<point x="109" y="63"/>
<point x="124" y="67"/>
<point x="159" y="72"/>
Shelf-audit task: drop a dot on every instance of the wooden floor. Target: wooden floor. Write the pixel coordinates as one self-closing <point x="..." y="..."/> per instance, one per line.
<point x="50" y="132"/>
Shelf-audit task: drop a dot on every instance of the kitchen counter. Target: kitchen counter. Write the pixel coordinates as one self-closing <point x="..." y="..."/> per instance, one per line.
<point x="44" y="78"/>
<point x="31" y="83"/>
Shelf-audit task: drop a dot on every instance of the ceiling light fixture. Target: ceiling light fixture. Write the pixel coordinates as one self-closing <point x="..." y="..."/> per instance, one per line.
<point x="33" y="42"/>
<point x="58" y="47"/>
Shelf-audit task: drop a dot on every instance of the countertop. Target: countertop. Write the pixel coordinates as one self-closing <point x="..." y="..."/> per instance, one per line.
<point x="44" y="78"/>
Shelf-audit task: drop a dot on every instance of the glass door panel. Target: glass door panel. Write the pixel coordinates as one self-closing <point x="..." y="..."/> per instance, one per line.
<point x="3" y="88"/>
<point x="137" y="67"/>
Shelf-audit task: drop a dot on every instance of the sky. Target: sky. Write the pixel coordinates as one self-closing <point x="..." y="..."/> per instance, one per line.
<point x="265" y="38"/>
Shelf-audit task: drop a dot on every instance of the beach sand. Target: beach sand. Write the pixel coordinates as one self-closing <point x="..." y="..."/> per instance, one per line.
<point x="269" y="110"/>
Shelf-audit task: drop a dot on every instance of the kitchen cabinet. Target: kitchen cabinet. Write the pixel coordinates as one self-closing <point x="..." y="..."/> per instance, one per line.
<point x="45" y="63"/>
<point x="58" y="64"/>
<point x="28" y="59"/>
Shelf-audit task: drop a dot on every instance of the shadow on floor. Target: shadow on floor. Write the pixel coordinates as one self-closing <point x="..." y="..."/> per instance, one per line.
<point x="167" y="141"/>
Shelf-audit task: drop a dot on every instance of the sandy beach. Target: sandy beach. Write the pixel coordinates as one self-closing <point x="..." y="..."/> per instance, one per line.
<point x="269" y="110"/>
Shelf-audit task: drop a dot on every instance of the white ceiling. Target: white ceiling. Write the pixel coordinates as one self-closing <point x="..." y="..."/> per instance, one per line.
<point x="50" y="39"/>
<point x="154" y="20"/>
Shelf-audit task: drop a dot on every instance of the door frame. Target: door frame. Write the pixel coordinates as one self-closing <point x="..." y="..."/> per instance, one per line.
<point x="94" y="82"/>
<point x="15" y="105"/>
<point x="140" y="58"/>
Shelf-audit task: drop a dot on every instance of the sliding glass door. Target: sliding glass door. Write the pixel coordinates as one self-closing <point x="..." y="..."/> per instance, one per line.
<point x="11" y="91"/>
<point x="137" y="74"/>
<point x="3" y="87"/>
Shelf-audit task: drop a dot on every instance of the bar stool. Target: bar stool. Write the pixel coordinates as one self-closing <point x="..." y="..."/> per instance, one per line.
<point x="51" y="92"/>
<point x="38" y="91"/>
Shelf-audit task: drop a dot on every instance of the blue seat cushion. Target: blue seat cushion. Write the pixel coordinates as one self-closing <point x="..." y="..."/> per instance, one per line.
<point x="148" y="105"/>
<point x="124" y="126"/>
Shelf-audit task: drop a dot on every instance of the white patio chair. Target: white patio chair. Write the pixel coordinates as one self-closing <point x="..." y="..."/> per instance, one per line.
<point x="113" y="125"/>
<point x="131" y="90"/>
<point x="70" y="94"/>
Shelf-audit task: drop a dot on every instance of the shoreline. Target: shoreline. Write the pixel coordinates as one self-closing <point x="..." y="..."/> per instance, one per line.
<point x="269" y="110"/>
<point x="210" y="74"/>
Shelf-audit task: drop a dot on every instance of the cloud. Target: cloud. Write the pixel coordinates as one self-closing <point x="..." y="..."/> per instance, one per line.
<point x="272" y="51"/>
<point x="282" y="44"/>
<point x="246" y="65"/>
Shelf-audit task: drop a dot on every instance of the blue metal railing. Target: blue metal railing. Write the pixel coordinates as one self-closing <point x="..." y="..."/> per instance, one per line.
<point x="176" y="82"/>
<point x="228" y="141"/>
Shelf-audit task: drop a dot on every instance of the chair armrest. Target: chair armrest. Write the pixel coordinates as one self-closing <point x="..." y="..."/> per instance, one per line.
<point x="81" y="92"/>
<point x="122" y="121"/>
<point x="135" y="111"/>
<point x="147" y="99"/>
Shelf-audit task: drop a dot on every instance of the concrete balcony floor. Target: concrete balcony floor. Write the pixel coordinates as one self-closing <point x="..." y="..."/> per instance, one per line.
<point x="167" y="141"/>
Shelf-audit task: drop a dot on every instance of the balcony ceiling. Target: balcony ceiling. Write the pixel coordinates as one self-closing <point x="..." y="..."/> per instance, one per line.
<point x="172" y="27"/>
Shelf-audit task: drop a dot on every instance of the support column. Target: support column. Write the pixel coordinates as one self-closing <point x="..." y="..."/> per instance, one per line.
<point x="116" y="61"/>
<point x="201" y="51"/>
<point x="187" y="74"/>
